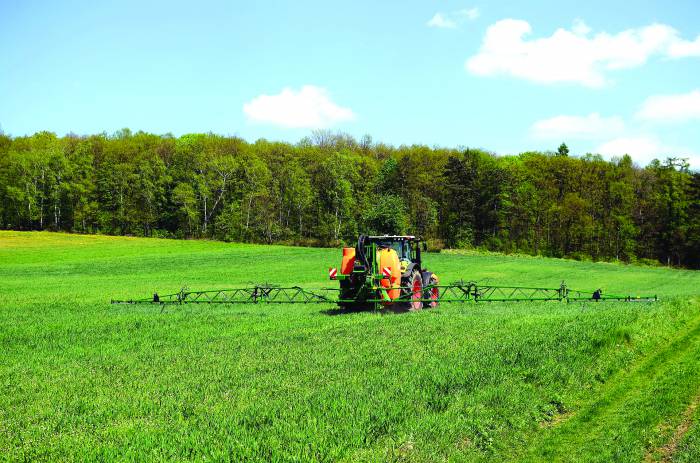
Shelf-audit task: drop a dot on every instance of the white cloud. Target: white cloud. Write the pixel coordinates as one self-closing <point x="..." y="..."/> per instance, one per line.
<point x="451" y="20"/>
<point x="469" y="13"/>
<point x="670" y="108"/>
<point x="684" y="48"/>
<point x="580" y="27"/>
<point x="644" y="149"/>
<point x="572" y="55"/>
<point x="441" y="21"/>
<point x="589" y="127"/>
<point x="310" y="107"/>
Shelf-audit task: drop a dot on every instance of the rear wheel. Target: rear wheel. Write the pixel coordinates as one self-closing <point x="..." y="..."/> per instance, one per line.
<point x="416" y="289"/>
<point x="432" y="293"/>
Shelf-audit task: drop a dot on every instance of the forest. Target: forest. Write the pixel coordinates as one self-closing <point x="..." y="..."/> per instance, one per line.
<point x="329" y="187"/>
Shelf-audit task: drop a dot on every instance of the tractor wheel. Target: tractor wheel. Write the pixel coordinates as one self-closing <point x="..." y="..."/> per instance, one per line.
<point x="416" y="291"/>
<point x="433" y="293"/>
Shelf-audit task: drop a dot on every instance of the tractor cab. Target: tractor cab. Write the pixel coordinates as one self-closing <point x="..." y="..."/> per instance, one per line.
<point x="407" y="249"/>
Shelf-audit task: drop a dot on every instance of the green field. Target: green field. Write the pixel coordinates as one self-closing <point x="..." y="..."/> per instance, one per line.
<point x="81" y="379"/>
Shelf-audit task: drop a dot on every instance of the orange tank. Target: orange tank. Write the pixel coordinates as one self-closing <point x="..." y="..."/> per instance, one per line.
<point x="389" y="258"/>
<point x="348" y="261"/>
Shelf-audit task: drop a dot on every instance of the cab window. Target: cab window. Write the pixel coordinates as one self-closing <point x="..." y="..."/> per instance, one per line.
<point x="397" y="246"/>
<point x="408" y="250"/>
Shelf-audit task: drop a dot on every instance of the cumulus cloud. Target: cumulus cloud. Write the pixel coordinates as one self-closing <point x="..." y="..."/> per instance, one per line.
<point x="311" y="107"/>
<point x="574" y="55"/>
<point x="644" y="149"/>
<point x="671" y="108"/>
<point x="441" y="21"/>
<point x="451" y="20"/>
<point x="590" y="127"/>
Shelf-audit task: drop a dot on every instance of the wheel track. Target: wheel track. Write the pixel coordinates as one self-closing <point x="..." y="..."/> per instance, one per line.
<point x="668" y="450"/>
<point x="559" y="442"/>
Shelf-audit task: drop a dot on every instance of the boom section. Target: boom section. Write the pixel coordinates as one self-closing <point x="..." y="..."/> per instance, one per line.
<point x="454" y="292"/>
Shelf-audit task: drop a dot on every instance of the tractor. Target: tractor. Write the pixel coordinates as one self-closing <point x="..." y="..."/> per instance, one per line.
<point x="385" y="271"/>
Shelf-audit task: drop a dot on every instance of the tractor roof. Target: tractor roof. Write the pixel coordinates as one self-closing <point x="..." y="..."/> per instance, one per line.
<point x="393" y="237"/>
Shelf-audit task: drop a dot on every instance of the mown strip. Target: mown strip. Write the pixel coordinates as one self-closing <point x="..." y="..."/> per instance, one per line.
<point x="666" y="452"/>
<point x="687" y="449"/>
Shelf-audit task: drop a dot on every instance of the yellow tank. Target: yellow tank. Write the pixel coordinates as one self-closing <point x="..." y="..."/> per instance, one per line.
<point x="348" y="261"/>
<point x="389" y="258"/>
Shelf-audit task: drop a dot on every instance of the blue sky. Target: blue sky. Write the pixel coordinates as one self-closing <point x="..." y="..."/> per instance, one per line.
<point x="603" y="76"/>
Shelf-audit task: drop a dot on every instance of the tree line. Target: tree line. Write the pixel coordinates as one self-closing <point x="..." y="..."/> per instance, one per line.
<point x="329" y="187"/>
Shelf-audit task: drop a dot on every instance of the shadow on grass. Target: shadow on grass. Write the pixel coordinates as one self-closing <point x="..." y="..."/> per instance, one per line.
<point x="359" y="308"/>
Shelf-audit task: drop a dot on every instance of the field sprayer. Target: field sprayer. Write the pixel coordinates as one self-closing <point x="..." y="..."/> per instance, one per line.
<point x="383" y="272"/>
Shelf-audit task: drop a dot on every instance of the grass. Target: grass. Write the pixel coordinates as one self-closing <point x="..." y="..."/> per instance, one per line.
<point x="83" y="380"/>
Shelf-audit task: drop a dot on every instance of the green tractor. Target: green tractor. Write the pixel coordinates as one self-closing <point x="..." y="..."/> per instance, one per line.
<point x="385" y="271"/>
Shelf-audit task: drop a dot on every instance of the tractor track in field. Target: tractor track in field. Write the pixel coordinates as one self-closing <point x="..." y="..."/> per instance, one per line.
<point x="581" y="427"/>
<point x="668" y="450"/>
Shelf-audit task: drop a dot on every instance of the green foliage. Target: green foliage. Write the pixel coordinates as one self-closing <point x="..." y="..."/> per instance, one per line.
<point x="185" y="199"/>
<point x="329" y="187"/>
<point x="387" y="216"/>
<point x="563" y="150"/>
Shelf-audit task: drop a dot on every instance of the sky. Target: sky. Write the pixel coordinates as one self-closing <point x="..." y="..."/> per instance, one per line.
<point x="604" y="77"/>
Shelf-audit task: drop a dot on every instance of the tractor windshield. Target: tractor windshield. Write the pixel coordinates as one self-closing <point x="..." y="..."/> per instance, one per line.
<point x="402" y="247"/>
